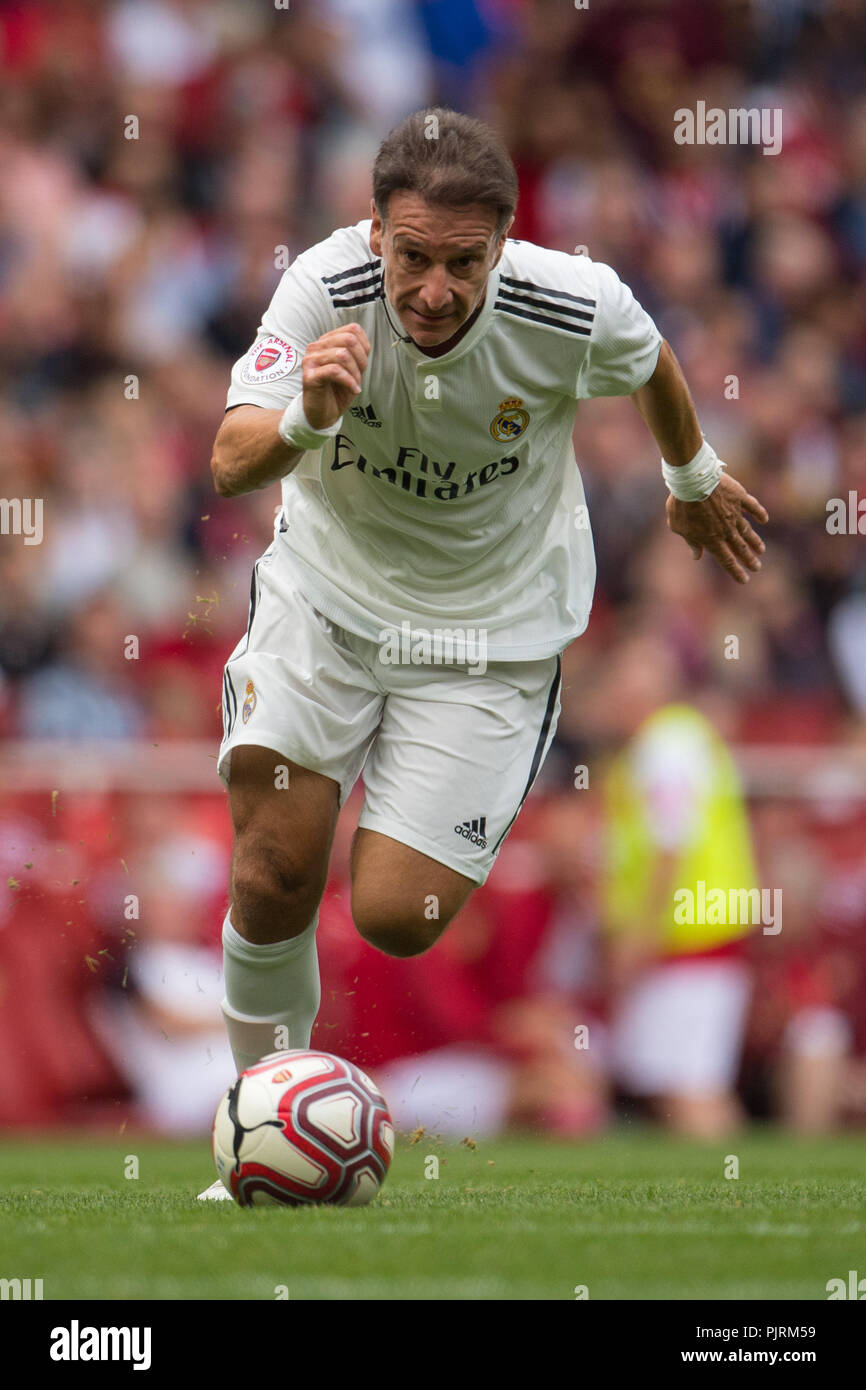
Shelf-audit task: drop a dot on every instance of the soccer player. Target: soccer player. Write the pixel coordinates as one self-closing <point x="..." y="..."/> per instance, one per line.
<point x="413" y="384"/>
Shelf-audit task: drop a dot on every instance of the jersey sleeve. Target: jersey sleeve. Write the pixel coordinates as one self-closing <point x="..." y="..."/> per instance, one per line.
<point x="624" y="346"/>
<point x="269" y="373"/>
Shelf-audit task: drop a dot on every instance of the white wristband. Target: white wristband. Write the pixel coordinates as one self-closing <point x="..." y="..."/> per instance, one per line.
<point x="295" y="429"/>
<point x="694" y="481"/>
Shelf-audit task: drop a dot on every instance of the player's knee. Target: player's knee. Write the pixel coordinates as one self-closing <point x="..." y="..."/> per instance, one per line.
<point x="396" y="933"/>
<point x="273" y="896"/>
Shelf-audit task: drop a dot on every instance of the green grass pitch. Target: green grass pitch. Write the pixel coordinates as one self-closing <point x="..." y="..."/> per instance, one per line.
<point x="631" y="1215"/>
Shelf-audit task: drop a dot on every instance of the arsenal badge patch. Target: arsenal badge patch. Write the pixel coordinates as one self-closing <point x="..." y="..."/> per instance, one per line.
<point x="269" y="359"/>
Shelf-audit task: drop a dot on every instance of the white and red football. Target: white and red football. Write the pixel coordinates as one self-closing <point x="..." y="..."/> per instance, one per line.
<point x="302" y="1127"/>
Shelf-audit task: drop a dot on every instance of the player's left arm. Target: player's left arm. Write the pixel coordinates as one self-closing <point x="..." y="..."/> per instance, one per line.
<point x="717" y="523"/>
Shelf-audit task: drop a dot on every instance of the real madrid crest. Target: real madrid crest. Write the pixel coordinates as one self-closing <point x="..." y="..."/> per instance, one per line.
<point x="249" y="701"/>
<point x="511" y="420"/>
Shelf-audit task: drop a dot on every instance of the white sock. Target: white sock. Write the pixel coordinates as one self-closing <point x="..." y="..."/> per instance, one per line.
<point x="272" y="993"/>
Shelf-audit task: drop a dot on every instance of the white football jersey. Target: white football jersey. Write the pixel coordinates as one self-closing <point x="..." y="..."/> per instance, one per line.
<point x="451" y="496"/>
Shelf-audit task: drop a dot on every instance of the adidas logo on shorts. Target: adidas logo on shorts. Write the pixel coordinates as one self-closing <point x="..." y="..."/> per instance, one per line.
<point x="475" y="831"/>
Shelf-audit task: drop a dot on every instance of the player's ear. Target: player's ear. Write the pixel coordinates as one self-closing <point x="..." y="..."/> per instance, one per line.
<point x="375" y="231"/>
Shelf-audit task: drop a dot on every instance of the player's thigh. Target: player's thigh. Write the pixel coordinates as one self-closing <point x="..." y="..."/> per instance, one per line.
<point x="402" y="900"/>
<point x="283" y="817"/>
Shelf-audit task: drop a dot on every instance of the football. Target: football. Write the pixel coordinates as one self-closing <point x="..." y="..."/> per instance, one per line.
<point x="302" y="1128"/>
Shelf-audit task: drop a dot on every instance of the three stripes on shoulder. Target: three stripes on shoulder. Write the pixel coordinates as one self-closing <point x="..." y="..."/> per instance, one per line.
<point x="361" y="284"/>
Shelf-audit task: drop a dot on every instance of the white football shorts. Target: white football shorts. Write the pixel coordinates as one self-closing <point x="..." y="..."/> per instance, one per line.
<point x="449" y="751"/>
<point x="680" y="1028"/>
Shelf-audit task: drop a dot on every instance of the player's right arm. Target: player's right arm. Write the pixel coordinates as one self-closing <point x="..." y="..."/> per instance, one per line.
<point x="248" y="451"/>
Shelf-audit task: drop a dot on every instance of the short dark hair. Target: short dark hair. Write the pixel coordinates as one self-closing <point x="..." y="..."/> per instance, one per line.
<point x="451" y="160"/>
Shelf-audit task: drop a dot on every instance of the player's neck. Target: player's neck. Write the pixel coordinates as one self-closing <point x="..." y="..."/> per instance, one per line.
<point x="441" y="348"/>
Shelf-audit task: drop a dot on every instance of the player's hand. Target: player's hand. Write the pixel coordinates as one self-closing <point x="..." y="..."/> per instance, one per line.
<point x="332" y="372"/>
<point x="717" y="524"/>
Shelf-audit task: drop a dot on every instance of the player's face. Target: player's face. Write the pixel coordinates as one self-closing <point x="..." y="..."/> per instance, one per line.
<point x="436" y="262"/>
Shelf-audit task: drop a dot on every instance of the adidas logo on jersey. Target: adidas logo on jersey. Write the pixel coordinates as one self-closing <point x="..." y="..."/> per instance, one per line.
<point x="475" y="831"/>
<point x="367" y="414"/>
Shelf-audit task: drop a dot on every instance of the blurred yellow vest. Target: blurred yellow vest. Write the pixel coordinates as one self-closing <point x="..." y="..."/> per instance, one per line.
<point x="719" y="856"/>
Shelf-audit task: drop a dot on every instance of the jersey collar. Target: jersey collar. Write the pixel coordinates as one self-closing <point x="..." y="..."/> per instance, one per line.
<point x="477" y="331"/>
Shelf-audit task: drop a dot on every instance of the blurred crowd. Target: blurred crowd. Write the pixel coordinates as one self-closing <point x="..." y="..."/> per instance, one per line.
<point x="160" y="159"/>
